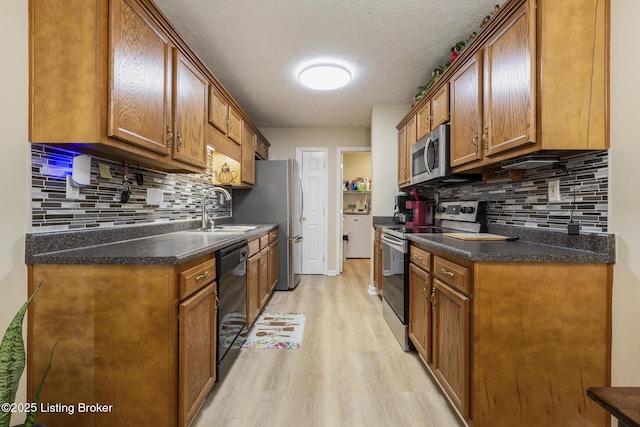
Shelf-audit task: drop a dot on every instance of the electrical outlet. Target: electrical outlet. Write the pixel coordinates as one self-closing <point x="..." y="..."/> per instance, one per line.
<point x="554" y="190"/>
<point x="73" y="191"/>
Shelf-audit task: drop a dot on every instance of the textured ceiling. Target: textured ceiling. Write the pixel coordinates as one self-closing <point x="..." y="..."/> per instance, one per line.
<point x="255" y="48"/>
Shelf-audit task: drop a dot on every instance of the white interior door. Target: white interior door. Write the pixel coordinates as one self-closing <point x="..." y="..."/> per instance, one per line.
<point x="314" y="177"/>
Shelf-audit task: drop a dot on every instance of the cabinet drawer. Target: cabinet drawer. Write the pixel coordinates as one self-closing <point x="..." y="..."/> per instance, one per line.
<point x="273" y="236"/>
<point x="254" y="247"/>
<point x="196" y="277"/>
<point x="453" y="274"/>
<point x="264" y="241"/>
<point x="421" y="258"/>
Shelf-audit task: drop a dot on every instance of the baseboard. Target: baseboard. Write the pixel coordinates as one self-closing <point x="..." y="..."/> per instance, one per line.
<point x="332" y="273"/>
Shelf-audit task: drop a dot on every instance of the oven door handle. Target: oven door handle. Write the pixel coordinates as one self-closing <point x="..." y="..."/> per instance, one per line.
<point x="395" y="243"/>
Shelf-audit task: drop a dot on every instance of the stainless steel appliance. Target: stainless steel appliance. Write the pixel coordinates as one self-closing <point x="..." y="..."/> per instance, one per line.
<point x="277" y="198"/>
<point x="430" y="159"/>
<point x="449" y="216"/>
<point x="231" y="273"/>
<point x="402" y="215"/>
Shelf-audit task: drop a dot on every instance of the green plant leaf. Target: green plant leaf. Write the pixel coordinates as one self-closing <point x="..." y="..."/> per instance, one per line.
<point x="12" y="360"/>
<point x="36" y="399"/>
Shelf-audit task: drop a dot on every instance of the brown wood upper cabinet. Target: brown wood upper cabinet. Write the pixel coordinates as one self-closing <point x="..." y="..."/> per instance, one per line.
<point x="517" y="90"/>
<point x="139" y="50"/>
<point x="433" y="113"/>
<point x="406" y="138"/>
<point x="493" y="94"/>
<point x="223" y="116"/>
<point x="113" y="78"/>
<point x="190" y="100"/>
<point x="248" y="155"/>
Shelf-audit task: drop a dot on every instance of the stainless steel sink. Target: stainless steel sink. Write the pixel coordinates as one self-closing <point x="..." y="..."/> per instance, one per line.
<point x="228" y="229"/>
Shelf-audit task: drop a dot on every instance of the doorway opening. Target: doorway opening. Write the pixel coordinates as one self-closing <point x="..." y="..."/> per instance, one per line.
<point x="354" y="239"/>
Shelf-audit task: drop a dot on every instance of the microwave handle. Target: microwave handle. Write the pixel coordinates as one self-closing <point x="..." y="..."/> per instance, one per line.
<point x="426" y="152"/>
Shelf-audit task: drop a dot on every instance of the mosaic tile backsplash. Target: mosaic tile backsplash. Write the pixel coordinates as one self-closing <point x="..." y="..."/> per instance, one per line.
<point x="99" y="204"/>
<point x="583" y="189"/>
<point x="584" y="184"/>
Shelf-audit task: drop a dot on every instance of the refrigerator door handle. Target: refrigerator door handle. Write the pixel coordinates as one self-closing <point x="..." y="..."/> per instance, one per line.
<point x="301" y="199"/>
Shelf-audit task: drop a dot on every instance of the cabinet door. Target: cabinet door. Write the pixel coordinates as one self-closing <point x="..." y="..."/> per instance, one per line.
<point x="264" y="277"/>
<point x="190" y="96"/>
<point x="197" y="351"/>
<point x="423" y="120"/>
<point x="466" y="112"/>
<point x="217" y="109"/>
<point x="402" y="156"/>
<point x="234" y="127"/>
<point x="253" y="288"/>
<point x="273" y="265"/>
<point x="450" y="345"/>
<point x="420" y="310"/>
<point x="440" y="107"/>
<point x="377" y="265"/>
<point x="509" y="85"/>
<point x="139" y="79"/>
<point x="248" y="155"/>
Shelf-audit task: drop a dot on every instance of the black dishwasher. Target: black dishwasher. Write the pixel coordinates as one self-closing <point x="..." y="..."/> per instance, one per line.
<point x="231" y="271"/>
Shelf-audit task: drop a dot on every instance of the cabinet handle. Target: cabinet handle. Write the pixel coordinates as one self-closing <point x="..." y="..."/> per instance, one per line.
<point x="418" y="257"/>
<point x="202" y="276"/>
<point x="169" y="136"/>
<point x="217" y="301"/>
<point x="475" y="142"/>
<point x="448" y="273"/>
<point x="179" y="146"/>
<point x="485" y="138"/>
<point x="424" y="290"/>
<point x="433" y="298"/>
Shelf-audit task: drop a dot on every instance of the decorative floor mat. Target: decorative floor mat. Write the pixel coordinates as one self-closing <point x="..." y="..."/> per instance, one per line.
<point x="276" y="330"/>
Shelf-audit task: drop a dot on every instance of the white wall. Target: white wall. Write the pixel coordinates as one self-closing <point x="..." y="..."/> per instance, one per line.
<point x="283" y="145"/>
<point x="384" y="155"/>
<point x="14" y="162"/>
<point x="624" y="202"/>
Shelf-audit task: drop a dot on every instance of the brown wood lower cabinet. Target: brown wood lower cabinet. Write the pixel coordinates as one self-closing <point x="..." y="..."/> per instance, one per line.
<point x="377" y="262"/>
<point x="420" y="311"/>
<point x="262" y="273"/>
<point x="273" y="262"/>
<point x="514" y="344"/>
<point x="450" y="340"/>
<point x="197" y="351"/>
<point x="140" y="338"/>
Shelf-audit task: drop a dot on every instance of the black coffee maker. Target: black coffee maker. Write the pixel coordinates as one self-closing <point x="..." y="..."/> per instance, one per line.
<point x="402" y="214"/>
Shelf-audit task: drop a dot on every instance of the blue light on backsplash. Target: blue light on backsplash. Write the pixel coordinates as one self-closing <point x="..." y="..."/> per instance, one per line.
<point x="99" y="203"/>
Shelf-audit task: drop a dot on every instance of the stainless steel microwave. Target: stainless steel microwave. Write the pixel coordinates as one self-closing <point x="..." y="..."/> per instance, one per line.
<point x="430" y="156"/>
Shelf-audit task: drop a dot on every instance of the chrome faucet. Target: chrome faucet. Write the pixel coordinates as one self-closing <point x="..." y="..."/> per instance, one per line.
<point x="206" y="223"/>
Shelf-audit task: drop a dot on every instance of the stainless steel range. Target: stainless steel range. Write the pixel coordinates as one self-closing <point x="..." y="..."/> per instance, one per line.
<point x="467" y="216"/>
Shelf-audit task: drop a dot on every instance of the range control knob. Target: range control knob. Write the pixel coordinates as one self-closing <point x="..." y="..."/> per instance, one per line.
<point x="468" y="210"/>
<point x="441" y="209"/>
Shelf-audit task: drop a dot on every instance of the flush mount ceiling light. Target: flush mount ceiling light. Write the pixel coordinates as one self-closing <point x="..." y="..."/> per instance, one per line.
<point x="324" y="76"/>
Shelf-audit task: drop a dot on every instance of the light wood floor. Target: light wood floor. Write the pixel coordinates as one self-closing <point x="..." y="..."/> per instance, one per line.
<point x="350" y="370"/>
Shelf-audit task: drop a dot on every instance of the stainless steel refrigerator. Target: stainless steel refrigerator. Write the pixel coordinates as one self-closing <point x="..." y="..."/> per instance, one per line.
<point x="277" y="197"/>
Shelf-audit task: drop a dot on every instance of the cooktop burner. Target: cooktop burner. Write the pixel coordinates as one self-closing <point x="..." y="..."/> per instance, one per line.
<point x="421" y="229"/>
<point x="449" y="216"/>
<point x="400" y="230"/>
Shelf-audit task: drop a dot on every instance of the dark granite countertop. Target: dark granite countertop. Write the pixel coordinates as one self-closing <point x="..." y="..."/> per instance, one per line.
<point x="507" y="251"/>
<point x="167" y="248"/>
<point x="532" y="245"/>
